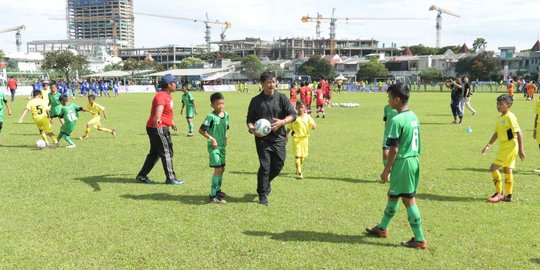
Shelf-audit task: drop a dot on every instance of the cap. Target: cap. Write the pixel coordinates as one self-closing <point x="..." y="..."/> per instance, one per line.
<point x="166" y="79"/>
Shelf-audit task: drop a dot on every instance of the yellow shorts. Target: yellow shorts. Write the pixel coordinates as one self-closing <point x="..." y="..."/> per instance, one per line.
<point x="95" y="122"/>
<point x="43" y="124"/>
<point x="300" y="147"/>
<point x="507" y="157"/>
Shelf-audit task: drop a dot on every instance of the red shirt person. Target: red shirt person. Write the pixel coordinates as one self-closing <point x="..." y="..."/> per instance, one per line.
<point x="157" y="128"/>
<point x="12" y="85"/>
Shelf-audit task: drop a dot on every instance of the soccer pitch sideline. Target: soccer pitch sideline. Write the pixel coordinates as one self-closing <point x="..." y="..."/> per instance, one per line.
<point x="81" y="208"/>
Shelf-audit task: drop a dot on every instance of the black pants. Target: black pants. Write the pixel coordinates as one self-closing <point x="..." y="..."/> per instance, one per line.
<point x="160" y="147"/>
<point x="271" y="160"/>
<point x="12" y="94"/>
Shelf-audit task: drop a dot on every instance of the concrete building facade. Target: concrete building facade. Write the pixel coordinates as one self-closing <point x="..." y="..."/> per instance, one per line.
<point x="101" y="19"/>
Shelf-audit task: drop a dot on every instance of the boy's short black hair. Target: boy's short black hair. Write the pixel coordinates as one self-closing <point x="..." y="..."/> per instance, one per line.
<point x="505" y="98"/>
<point x="266" y="76"/>
<point x="216" y="96"/>
<point x="92" y="96"/>
<point x="401" y="91"/>
<point x="36" y="93"/>
<point x="64" y="98"/>
<point x="300" y="103"/>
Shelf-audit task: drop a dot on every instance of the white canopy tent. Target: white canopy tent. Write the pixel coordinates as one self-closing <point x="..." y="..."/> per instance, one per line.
<point x="193" y="72"/>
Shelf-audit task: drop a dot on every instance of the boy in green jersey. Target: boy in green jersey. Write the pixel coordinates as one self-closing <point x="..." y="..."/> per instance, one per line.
<point x="402" y="167"/>
<point x="54" y="103"/>
<point x="389" y="113"/>
<point x="191" y="109"/>
<point x="70" y="114"/>
<point x="3" y="102"/>
<point x="214" y="128"/>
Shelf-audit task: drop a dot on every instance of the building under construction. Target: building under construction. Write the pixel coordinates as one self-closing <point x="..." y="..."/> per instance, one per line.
<point x="101" y="19"/>
<point x="296" y="47"/>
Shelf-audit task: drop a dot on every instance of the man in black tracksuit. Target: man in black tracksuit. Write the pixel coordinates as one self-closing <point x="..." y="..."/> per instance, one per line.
<point x="276" y="108"/>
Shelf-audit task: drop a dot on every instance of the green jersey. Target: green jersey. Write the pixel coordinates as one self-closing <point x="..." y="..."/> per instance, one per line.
<point x="54" y="99"/>
<point x="217" y="127"/>
<point x="56" y="106"/>
<point x="188" y="99"/>
<point x="70" y="113"/>
<point x="3" y="99"/>
<point x="389" y="113"/>
<point x="405" y="132"/>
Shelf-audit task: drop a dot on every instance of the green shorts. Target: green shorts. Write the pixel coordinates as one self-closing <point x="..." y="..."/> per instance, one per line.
<point x="190" y="112"/>
<point x="67" y="128"/>
<point x="55" y="111"/>
<point x="217" y="156"/>
<point x="404" y="177"/>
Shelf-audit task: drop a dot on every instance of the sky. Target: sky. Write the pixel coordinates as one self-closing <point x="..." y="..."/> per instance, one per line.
<point x="499" y="22"/>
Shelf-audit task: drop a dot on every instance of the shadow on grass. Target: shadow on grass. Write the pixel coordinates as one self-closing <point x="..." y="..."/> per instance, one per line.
<point x="94" y="181"/>
<point x="431" y="123"/>
<point x="486" y="170"/>
<point x="535" y="260"/>
<point x="19" y="146"/>
<point x="439" y="114"/>
<point x="188" y="199"/>
<point x="446" y="198"/>
<point x="309" y="236"/>
<point x="291" y="175"/>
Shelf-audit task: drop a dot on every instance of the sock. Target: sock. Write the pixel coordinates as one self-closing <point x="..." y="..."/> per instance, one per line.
<point x="497" y="179"/>
<point x="60" y="136"/>
<point x="415" y="221"/>
<point x="106" y="130"/>
<point x="301" y="161"/>
<point x="68" y="139"/>
<point x="190" y="126"/>
<point x="87" y="132"/>
<point x="219" y="183"/>
<point x="389" y="212"/>
<point x="508" y="183"/>
<point x="44" y="137"/>
<point x="55" y="141"/>
<point x="214" y="186"/>
<point x="298" y="165"/>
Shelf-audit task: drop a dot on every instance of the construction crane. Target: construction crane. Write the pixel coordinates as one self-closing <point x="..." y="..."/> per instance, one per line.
<point x="18" y="41"/>
<point x="438" y="25"/>
<point x="206" y="22"/>
<point x="333" y="21"/>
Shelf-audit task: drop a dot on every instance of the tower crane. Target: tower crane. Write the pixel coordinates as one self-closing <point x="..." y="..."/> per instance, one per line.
<point x="438" y="25"/>
<point x="206" y="22"/>
<point x="333" y="21"/>
<point x="18" y="41"/>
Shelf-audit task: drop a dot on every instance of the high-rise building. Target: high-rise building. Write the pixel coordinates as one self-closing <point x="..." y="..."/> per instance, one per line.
<point x="102" y="19"/>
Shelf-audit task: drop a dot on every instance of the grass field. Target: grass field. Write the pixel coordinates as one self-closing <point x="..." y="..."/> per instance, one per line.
<point x="81" y="208"/>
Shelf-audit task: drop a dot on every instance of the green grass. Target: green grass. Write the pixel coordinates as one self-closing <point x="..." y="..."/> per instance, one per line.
<point x="80" y="208"/>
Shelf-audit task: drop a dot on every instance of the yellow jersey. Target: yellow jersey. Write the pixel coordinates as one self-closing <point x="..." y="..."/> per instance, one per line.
<point x="301" y="126"/>
<point x="538" y="112"/>
<point x="38" y="107"/>
<point x="95" y="109"/>
<point x="507" y="129"/>
<point x="45" y="95"/>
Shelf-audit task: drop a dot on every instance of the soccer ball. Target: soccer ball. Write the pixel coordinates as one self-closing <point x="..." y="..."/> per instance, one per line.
<point x="40" y="144"/>
<point x="262" y="127"/>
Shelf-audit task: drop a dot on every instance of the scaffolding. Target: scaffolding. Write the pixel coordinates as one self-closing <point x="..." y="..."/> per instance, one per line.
<point x="101" y="19"/>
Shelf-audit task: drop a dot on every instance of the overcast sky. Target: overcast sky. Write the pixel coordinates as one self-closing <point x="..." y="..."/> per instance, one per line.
<point x="500" y="22"/>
